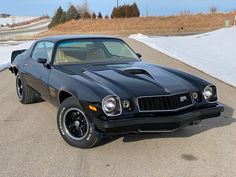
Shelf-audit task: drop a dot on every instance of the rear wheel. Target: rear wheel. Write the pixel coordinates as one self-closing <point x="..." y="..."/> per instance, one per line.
<point x="74" y="126"/>
<point x="25" y="94"/>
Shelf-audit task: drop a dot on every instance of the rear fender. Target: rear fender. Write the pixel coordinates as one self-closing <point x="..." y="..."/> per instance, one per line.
<point x="13" y="68"/>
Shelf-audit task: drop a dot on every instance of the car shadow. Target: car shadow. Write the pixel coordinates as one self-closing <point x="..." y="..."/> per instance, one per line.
<point x="225" y="119"/>
<point x="38" y="100"/>
<point x="107" y="140"/>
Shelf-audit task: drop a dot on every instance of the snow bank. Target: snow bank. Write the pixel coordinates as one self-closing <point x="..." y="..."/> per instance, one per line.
<point x="15" y="19"/>
<point x="6" y="49"/>
<point x="213" y="53"/>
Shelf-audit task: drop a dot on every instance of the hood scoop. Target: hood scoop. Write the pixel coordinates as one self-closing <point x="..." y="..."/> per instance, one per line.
<point x="137" y="71"/>
<point x="141" y="73"/>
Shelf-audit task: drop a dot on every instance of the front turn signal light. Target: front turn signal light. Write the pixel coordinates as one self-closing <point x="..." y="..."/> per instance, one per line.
<point x="92" y="108"/>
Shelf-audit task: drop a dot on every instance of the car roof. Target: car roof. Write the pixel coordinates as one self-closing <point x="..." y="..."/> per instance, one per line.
<point x="56" y="39"/>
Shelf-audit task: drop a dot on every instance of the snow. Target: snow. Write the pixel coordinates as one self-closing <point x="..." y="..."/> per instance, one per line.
<point x="6" y="49"/>
<point x="213" y="53"/>
<point x="15" y="19"/>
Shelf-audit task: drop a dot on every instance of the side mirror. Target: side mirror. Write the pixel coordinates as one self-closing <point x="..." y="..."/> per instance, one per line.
<point x="139" y="55"/>
<point x="42" y="60"/>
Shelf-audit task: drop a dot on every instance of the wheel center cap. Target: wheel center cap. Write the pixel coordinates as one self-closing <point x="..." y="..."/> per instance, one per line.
<point x="77" y="123"/>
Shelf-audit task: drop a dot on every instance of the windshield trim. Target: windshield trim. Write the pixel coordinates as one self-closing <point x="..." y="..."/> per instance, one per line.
<point x="88" y="39"/>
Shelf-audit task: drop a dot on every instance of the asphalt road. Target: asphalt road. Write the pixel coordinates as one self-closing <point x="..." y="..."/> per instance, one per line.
<point x="26" y="30"/>
<point x="30" y="144"/>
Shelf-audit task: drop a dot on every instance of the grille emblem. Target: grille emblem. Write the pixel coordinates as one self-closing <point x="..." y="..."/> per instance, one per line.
<point x="183" y="99"/>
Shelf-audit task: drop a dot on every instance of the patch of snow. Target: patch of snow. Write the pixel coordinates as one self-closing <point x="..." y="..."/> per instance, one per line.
<point x="6" y="48"/>
<point x="14" y="20"/>
<point x="213" y="53"/>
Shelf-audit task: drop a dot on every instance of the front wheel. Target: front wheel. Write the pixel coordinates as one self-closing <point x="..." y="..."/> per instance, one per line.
<point x="75" y="128"/>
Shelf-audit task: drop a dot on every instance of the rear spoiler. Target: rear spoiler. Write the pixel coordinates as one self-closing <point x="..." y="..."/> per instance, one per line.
<point x="15" y="53"/>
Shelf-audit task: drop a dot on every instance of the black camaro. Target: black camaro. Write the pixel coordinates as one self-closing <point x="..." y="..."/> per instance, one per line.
<point x="102" y="88"/>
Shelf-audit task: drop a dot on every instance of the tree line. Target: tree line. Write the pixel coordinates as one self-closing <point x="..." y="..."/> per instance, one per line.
<point x="126" y="11"/>
<point x="73" y="13"/>
<point x="82" y="12"/>
<point x="4" y="15"/>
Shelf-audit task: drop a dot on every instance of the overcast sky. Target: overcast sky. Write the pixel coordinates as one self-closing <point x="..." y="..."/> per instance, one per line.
<point x="153" y="7"/>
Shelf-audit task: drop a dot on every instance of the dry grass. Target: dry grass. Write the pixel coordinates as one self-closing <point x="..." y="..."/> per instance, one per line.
<point x="147" y="25"/>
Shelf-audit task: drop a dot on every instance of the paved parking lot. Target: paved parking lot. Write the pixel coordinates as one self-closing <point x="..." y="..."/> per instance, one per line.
<point x="30" y="144"/>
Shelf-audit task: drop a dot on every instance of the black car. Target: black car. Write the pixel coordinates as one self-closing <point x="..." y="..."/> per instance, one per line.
<point x="103" y="88"/>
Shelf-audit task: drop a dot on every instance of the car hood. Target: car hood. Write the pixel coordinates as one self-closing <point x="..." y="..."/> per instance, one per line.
<point x="136" y="79"/>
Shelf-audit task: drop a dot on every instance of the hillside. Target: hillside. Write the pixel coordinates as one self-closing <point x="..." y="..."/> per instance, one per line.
<point x="15" y="19"/>
<point x="170" y="25"/>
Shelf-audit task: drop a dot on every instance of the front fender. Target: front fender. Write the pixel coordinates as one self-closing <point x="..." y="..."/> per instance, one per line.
<point x="195" y="81"/>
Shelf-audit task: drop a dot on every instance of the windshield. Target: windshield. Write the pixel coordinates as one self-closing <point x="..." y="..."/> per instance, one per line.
<point x="84" y="51"/>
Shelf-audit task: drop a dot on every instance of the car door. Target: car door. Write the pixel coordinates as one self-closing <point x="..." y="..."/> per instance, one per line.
<point x="37" y="73"/>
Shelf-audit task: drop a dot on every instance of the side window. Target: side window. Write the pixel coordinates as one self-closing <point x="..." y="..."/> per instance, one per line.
<point x="43" y="50"/>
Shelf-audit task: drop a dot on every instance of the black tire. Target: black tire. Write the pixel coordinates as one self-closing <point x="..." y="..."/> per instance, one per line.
<point x="26" y="94"/>
<point x="75" y="128"/>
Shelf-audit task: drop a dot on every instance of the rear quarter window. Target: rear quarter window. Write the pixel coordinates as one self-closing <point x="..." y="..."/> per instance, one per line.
<point x="43" y="50"/>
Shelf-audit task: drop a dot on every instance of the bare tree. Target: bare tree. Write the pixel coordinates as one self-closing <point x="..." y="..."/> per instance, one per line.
<point x="13" y="21"/>
<point x="213" y="9"/>
<point x="13" y="18"/>
<point x="147" y="11"/>
<point x="184" y="13"/>
<point x="83" y="8"/>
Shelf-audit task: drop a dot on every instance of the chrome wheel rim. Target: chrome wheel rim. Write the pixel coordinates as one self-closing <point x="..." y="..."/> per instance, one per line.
<point x="76" y="124"/>
<point x="19" y="87"/>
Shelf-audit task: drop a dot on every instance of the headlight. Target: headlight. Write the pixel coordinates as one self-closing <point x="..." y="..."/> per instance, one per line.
<point x="111" y="105"/>
<point x="210" y="93"/>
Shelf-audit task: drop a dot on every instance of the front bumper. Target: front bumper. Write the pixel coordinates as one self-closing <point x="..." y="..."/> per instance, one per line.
<point x="157" y="123"/>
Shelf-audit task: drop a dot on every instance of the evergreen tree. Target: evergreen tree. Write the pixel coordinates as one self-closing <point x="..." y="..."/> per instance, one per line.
<point x="87" y="15"/>
<point x="72" y="14"/>
<point x="114" y="13"/>
<point x="122" y="11"/>
<point x="94" y="15"/>
<point x="63" y="17"/>
<point x="56" y="20"/>
<point x="106" y="17"/>
<point x="100" y="15"/>
<point x="125" y="11"/>
<point x="135" y="10"/>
